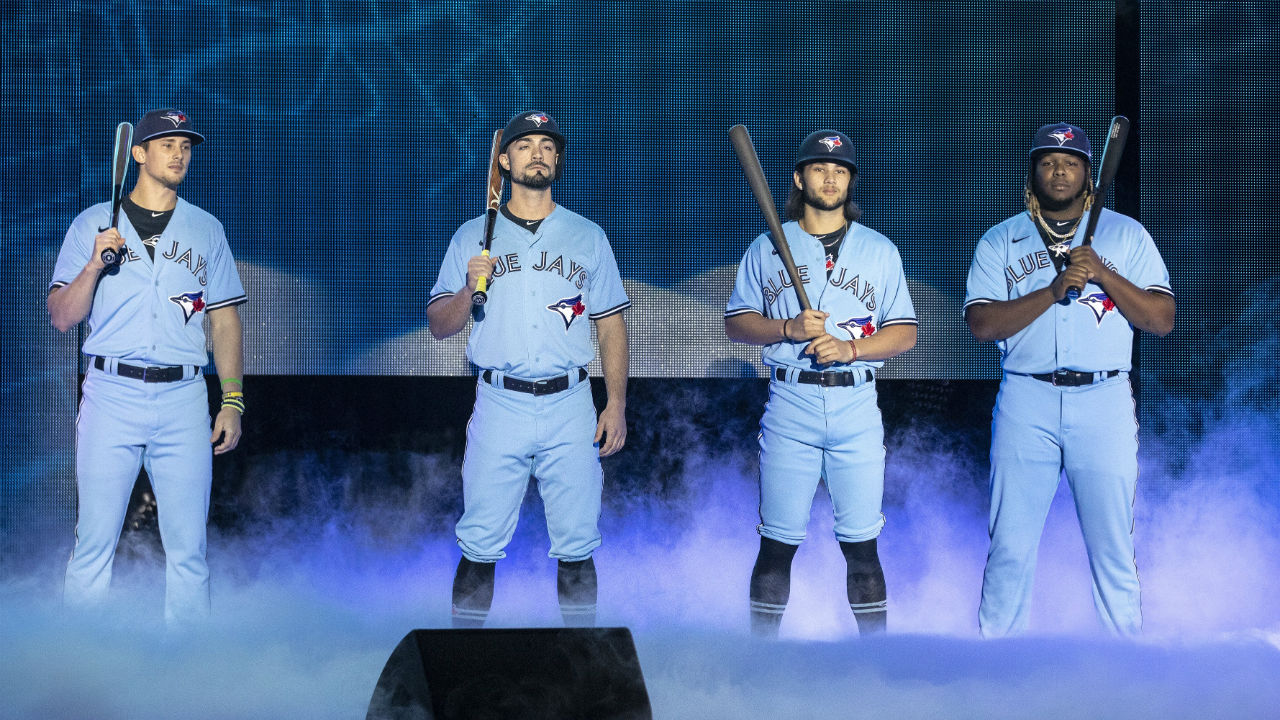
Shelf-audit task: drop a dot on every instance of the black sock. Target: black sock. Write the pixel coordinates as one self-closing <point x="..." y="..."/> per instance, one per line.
<point x="868" y="597"/>
<point x="576" y="588"/>
<point x="770" y="586"/>
<point x="472" y="593"/>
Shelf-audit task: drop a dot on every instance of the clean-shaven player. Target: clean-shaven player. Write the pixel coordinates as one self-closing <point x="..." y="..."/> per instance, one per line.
<point x="144" y="397"/>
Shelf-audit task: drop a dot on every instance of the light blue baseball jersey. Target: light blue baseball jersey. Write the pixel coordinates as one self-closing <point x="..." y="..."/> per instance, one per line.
<point x="1089" y="334"/>
<point x="866" y="290"/>
<point x="151" y="311"/>
<point x="544" y="286"/>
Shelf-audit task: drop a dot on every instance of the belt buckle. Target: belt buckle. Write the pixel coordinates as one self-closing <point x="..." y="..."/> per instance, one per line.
<point x="1060" y="377"/>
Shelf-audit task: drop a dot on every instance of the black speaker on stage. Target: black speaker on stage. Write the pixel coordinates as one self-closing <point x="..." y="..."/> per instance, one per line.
<point x="562" y="673"/>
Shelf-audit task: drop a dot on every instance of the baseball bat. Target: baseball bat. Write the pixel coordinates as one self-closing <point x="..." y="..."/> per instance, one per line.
<point x="746" y="151"/>
<point x="481" y="295"/>
<point x="119" y="169"/>
<point x="1116" y="135"/>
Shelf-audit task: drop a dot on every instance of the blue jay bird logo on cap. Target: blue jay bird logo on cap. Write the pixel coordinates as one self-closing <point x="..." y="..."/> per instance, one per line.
<point x="858" y="327"/>
<point x="1062" y="136"/>
<point x="568" y="309"/>
<point x="1099" y="303"/>
<point x="832" y="142"/>
<point x="538" y="118"/>
<point x="190" y="302"/>
<point x="176" y="118"/>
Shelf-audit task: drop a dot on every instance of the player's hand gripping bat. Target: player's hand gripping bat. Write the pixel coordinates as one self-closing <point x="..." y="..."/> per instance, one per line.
<point x="755" y="178"/>
<point x="119" y="169"/>
<point x="1116" y="135"/>
<point x="480" y="296"/>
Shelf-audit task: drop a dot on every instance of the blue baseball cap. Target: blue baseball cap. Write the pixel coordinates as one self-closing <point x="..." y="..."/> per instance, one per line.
<point x="1062" y="137"/>
<point x="532" y="122"/>
<point x="164" y="122"/>
<point x="827" y="146"/>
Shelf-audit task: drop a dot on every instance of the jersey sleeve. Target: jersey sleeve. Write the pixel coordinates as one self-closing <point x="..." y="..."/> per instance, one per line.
<point x="607" y="292"/>
<point x="224" y="286"/>
<point x="1149" y="271"/>
<point x="986" y="282"/>
<point x="748" y="293"/>
<point x="453" y="271"/>
<point x="897" y="308"/>
<point x="74" y="255"/>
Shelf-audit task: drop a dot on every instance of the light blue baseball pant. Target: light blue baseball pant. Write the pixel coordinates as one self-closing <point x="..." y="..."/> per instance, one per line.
<point x="1038" y="431"/>
<point x="810" y="433"/>
<point x="123" y="424"/>
<point x="512" y="435"/>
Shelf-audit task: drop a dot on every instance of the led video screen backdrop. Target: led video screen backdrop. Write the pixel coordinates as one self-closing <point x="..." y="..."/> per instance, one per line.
<point x="349" y="140"/>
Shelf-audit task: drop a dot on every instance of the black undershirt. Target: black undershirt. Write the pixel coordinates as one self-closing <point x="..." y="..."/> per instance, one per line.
<point x="530" y="225"/>
<point x="831" y="243"/>
<point x="1060" y="227"/>
<point x="149" y="224"/>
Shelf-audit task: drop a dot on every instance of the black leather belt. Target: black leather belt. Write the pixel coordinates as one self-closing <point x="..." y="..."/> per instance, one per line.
<point x="549" y="386"/>
<point x="1073" y="378"/>
<point x="826" y="379"/>
<point x="172" y="373"/>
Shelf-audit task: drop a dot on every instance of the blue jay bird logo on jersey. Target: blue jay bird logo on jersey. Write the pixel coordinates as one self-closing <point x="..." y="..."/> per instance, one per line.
<point x="858" y="327"/>
<point x="832" y="142"/>
<point x="1099" y="303"/>
<point x="190" y="302"/>
<point x="538" y="118"/>
<point x="568" y="309"/>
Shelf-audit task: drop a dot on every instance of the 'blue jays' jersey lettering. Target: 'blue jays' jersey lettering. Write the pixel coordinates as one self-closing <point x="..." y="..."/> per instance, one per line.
<point x="151" y="311"/>
<point x="866" y="290"/>
<point x="1088" y="334"/>
<point x="545" y="286"/>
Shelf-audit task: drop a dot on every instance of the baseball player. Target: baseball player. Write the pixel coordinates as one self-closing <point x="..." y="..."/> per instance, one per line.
<point x="144" y="399"/>
<point x="822" y="420"/>
<point x="1065" y="401"/>
<point x="550" y="271"/>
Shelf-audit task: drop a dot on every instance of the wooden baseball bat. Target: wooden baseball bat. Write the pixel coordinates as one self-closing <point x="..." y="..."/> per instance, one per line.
<point x="481" y="295"/>
<point x="746" y="151"/>
<point x="1111" y="152"/>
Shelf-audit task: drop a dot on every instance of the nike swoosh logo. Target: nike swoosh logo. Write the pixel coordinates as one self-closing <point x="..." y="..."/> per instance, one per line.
<point x="1020" y="239"/>
<point x="156" y="214"/>
<point x="527" y="223"/>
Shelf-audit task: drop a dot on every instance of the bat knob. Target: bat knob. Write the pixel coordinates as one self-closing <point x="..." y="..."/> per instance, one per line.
<point x="110" y="256"/>
<point x="479" y="297"/>
<point x="1073" y="294"/>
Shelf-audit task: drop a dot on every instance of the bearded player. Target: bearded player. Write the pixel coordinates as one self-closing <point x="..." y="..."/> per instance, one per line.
<point x="822" y="421"/>
<point x="1065" y="401"/>
<point x="551" y="272"/>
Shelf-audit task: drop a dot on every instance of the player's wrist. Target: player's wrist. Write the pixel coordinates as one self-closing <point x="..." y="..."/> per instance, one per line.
<point x="853" y="350"/>
<point x="785" y="336"/>
<point x="233" y="401"/>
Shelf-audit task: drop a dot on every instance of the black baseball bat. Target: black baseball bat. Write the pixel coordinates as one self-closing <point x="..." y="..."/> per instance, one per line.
<point x="119" y="169"/>
<point x="481" y="295"/>
<point x="1116" y="136"/>
<point x="746" y="151"/>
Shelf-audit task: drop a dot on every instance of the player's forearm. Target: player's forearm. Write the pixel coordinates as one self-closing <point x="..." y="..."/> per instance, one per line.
<point x="753" y="329"/>
<point x="228" y="342"/>
<point x="70" y="304"/>
<point x="447" y="317"/>
<point x="1147" y="311"/>
<point x="615" y="357"/>
<point x="886" y="343"/>
<point x="1005" y="318"/>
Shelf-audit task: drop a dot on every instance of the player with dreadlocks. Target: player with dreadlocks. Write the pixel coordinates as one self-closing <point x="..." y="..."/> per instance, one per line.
<point x="1065" y="401"/>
